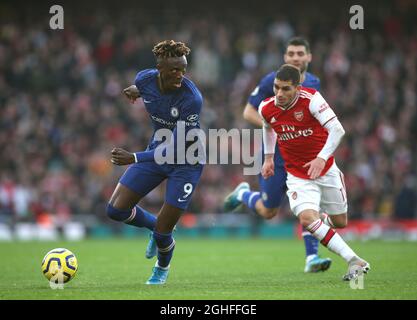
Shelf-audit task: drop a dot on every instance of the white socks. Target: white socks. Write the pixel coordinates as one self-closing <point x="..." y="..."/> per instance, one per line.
<point x="163" y="268"/>
<point x="331" y="239"/>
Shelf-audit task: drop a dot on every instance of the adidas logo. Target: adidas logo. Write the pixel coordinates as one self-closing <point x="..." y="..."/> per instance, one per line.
<point x="273" y="120"/>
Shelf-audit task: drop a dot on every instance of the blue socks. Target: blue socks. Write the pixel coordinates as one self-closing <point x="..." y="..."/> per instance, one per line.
<point x="137" y="217"/>
<point x="311" y="243"/>
<point x="166" y="244"/>
<point x="142" y="218"/>
<point x="249" y="198"/>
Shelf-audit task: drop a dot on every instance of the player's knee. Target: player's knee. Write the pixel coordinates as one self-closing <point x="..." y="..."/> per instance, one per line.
<point x="117" y="214"/>
<point x="306" y="220"/>
<point x="269" y="213"/>
<point x="340" y="222"/>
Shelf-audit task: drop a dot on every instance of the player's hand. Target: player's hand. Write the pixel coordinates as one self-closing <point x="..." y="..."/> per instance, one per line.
<point x="132" y="93"/>
<point x="268" y="167"/>
<point x="121" y="157"/>
<point x="316" y="166"/>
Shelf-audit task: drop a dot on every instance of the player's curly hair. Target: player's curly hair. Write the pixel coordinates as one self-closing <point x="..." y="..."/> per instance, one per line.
<point x="170" y="49"/>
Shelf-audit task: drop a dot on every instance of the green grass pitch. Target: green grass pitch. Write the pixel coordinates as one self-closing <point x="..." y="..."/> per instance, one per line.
<point x="248" y="269"/>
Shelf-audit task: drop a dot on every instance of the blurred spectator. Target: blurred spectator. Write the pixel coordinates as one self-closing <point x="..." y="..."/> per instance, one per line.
<point x="406" y="202"/>
<point x="61" y="111"/>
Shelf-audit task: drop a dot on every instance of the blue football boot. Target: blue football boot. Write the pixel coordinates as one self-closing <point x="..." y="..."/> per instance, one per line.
<point x="318" y="264"/>
<point x="231" y="202"/>
<point x="159" y="276"/>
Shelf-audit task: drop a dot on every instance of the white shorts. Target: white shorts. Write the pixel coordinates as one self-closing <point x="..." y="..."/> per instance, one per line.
<point x="327" y="193"/>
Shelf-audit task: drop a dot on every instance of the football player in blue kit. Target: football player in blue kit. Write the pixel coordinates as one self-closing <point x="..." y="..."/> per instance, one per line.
<point x="169" y="98"/>
<point x="266" y="202"/>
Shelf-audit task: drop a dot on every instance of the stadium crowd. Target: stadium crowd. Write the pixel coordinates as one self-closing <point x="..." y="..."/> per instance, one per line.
<point x="62" y="111"/>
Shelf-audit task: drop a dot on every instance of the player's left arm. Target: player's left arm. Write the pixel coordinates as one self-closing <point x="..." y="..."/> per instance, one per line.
<point x="321" y="110"/>
<point x="121" y="157"/>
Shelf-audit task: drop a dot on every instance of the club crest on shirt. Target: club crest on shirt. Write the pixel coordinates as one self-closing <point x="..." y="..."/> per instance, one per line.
<point x="298" y="115"/>
<point x="174" y="112"/>
<point x="294" y="195"/>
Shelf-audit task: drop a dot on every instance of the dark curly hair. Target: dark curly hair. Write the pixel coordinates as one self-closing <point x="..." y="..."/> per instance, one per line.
<point x="170" y="49"/>
<point x="288" y="72"/>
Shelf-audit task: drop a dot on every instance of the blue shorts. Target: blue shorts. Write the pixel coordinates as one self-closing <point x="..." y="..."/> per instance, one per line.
<point x="274" y="188"/>
<point x="182" y="179"/>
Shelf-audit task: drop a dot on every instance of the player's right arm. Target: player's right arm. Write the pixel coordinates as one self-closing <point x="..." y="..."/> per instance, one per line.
<point x="268" y="168"/>
<point x="141" y="81"/>
<point x="269" y="140"/>
<point x="120" y="156"/>
<point x="132" y="93"/>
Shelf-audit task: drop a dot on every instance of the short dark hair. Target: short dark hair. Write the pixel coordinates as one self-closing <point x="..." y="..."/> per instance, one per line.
<point x="299" y="41"/>
<point x="288" y="72"/>
<point x="170" y="49"/>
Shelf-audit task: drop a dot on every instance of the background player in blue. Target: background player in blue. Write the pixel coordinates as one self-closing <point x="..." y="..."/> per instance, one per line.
<point x="169" y="97"/>
<point x="266" y="203"/>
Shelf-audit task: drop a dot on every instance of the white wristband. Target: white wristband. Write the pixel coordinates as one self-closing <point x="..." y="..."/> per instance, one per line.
<point x="269" y="137"/>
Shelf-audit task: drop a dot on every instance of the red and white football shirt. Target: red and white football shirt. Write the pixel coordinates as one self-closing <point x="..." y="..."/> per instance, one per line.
<point x="299" y="127"/>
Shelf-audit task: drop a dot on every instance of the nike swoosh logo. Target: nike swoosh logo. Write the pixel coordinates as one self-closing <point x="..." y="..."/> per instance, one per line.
<point x="181" y="200"/>
<point x="146" y="101"/>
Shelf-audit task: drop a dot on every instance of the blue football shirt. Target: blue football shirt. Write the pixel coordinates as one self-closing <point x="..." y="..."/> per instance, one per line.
<point x="165" y="109"/>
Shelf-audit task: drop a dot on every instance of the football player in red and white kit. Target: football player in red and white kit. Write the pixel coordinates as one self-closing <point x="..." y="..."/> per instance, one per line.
<point x="308" y="132"/>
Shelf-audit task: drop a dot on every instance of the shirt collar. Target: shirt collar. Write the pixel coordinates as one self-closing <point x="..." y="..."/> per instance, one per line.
<point x="291" y="104"/>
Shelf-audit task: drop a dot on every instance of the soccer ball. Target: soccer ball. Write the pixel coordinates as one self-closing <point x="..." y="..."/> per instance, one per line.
<point x="59" y="265"/>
